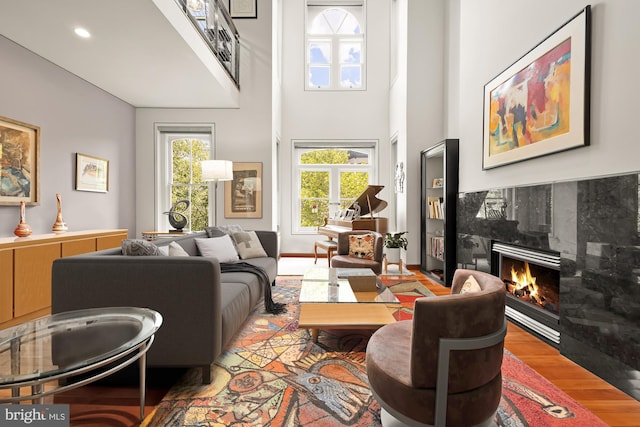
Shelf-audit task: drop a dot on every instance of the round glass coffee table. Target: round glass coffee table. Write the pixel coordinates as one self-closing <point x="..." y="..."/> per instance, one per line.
<point x="74" y="348"/>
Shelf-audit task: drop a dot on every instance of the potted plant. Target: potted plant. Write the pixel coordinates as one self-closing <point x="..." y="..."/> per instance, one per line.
<point x="393" y="242"/>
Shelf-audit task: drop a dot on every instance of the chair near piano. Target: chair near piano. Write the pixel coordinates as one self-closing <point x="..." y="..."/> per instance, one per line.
<point x="350" y="253"/>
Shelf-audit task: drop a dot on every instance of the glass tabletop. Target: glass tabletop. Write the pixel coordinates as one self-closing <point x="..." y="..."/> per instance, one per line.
<point x="326" y="273"/>
<point x="323" y="291"/>
<point x="69" y="341"/>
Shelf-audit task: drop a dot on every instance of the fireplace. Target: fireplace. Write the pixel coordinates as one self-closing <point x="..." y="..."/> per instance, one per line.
<point x="532" y="283"/>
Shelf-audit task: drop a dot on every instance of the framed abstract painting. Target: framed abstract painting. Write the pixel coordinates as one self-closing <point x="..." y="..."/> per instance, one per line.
<point x="540" y="104"/>
<point x="92" y="173"/>
<point x="19" y="163"/>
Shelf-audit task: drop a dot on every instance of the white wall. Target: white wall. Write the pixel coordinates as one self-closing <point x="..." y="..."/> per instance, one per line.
<point x="495" y="33"/>
<point x="241" y="135"/>
<point x="332" y="115"/>
<point x="425" y="103"/>
<point x="73" y="116"/>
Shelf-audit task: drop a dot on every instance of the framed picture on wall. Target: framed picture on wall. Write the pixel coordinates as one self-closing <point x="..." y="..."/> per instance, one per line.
<point x="243" y="195"/>
<point x="243" y="8"/>
<point x="540" y="104"/>
<point x="92" y="173"/>
<point x="20" y="163"/>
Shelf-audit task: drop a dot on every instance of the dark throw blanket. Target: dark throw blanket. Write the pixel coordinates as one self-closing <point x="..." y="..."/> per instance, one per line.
<point x="269" y="305"/>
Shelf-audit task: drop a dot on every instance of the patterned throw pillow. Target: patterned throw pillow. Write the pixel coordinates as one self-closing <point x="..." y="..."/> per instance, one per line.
<point x="139" y="247"/>
<point x="361" y="246"/>
<point x="470" y="285"/>
<point x="248" y="244"/>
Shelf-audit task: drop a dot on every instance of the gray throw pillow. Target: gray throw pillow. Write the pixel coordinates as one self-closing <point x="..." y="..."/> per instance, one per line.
<point x="214" y="232"/>
<point x="139" y="247"/>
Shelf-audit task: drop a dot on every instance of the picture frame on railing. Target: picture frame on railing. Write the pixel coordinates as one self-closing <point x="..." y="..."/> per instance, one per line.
<point x="19" y="162"/>
<point x="243" y="195"/>
<point x="92" y="173"/>
<point x="243" y="9"/>
<point x="541" y="104"/>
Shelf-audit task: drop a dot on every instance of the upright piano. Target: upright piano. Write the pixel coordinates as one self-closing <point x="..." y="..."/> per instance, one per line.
<point x="369" y="204"/>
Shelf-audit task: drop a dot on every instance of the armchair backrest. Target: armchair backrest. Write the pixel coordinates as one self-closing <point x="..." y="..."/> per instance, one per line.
<point x="378" y="243"/>
<point x="468" y="315"/>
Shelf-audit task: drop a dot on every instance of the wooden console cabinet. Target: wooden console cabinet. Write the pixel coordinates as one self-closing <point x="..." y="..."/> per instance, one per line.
<point x="25" y="268"/>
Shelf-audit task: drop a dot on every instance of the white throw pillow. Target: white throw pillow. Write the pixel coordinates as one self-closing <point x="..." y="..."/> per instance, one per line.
<point x="248" y="244"/>
<point x="220" y="248"/>
<point x="176" y="250"/>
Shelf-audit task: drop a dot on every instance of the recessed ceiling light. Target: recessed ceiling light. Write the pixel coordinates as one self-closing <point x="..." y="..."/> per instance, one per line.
<point x="82" y="32"/>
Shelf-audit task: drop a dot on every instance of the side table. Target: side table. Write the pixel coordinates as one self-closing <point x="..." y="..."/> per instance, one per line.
<point x="57" y="349"/>
<point x="386" y="264"/>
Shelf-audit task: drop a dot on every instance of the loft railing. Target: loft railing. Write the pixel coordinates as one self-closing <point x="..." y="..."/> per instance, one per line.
<point x="211" y="19"/>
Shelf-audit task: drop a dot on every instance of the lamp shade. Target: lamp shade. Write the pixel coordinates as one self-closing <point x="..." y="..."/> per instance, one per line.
<point x="217" y="170"/>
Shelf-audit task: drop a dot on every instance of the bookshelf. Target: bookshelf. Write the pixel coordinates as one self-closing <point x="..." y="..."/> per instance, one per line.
<point x="439" y="191"/>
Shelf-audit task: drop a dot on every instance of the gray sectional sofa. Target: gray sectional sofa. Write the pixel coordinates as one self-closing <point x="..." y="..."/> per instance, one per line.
<point x="202" y="308"/>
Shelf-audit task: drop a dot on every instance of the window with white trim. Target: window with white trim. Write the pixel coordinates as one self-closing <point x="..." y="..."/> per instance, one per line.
<point x="328" y="178"/>
<point x="180" y="176"/>
<point x="335" y="45"/>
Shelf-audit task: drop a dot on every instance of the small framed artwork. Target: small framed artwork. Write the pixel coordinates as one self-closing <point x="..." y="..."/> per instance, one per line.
<point x="19" y="162"/>
<point x="348" y="216"/>
<point x="541" y="104"/>
<point x="243" y="9"/>
<point x="243" y="195"/>
<point x="92" y="173"/>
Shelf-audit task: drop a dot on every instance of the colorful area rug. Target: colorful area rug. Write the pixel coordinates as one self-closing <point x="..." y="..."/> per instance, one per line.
<point x="273" y="374"/>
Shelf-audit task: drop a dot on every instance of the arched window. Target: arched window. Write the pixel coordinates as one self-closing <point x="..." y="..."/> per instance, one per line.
<point x="335" y="46"/>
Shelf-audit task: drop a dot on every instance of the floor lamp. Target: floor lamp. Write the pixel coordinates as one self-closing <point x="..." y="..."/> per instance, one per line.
<point x="216" y="170"/>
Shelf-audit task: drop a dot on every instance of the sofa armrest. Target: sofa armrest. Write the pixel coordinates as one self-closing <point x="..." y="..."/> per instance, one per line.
<point x="184" y="290"/>
<point x="269" y="241"/>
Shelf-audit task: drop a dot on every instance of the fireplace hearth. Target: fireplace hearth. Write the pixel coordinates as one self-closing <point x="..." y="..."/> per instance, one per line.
<point x="532" y="283"/>
<point x="593" y="225"/>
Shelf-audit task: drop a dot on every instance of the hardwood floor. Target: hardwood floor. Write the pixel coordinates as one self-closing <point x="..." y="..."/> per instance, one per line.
<point x="119" y="406"/>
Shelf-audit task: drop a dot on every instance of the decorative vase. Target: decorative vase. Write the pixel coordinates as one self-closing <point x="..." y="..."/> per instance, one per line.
<point x="23" y="229"/>
<point x="59" y="226"/>
<point x="393" y="255"/>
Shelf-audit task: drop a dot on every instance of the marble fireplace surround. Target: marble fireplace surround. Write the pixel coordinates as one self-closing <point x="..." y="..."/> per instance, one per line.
<point x="595" y="226"/>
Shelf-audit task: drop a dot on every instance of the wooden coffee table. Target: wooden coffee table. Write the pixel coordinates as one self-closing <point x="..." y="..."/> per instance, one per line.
<point x="327" y="302"/>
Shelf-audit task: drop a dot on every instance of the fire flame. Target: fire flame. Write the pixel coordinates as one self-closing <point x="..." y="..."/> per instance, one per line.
<point x="524" y="280"/>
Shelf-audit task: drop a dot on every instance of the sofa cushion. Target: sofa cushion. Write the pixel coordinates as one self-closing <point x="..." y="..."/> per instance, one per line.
<point x="361" y="246"/>
<point x="248" y="244"/>
<point x="220" y="248"/>
<point x="139" y="247"/>
<point x="236" y="306"/>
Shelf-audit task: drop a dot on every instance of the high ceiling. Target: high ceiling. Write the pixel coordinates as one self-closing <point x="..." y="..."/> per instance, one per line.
<point x="145" y="52"/>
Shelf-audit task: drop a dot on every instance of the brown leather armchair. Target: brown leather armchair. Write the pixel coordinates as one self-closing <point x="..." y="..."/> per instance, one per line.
<point x="342" y="259"/>
<point x="421" y="370"/>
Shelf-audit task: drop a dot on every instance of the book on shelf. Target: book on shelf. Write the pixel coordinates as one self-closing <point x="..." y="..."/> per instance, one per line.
<point x="436" y="207"/>
<point x="436" y="247"/>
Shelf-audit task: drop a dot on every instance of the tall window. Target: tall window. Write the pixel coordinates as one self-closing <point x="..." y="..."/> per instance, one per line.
<point x="180" y="177"/>
<point x="335" y="45"/>
<point x="329" y="179"/>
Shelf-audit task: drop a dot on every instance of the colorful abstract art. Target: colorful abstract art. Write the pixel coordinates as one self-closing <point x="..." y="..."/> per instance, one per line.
<point x="534" y="104"/>
<point x="541" y="103"/>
